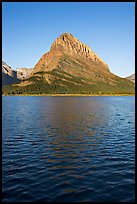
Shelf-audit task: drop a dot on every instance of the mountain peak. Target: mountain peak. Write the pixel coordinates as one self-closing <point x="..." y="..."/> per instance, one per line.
<point x="65" y="35"/>
<point x="69" y="44"/>
<point x="64" y="40"/>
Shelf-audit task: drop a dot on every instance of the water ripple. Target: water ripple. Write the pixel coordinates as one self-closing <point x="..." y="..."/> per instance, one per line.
<point x="68" y="149"/>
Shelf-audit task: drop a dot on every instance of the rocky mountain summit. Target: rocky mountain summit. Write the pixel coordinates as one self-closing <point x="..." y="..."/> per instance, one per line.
<point x="68" y="45"/>
<point x="72" y="67"/>
<point x="131" y="78"/>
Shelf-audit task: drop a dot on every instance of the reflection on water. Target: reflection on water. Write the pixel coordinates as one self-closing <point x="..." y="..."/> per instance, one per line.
<point x="68" y="149"/>
<point x="72" y="126"/>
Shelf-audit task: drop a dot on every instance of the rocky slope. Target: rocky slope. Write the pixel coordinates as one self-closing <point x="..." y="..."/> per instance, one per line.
<point x="72" y="67"/>
<point x="9" y="76"/>
<point x="23" y="73"/>
<point x="131" y="78"/>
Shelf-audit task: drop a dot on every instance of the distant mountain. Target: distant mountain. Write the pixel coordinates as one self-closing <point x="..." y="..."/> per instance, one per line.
<point x="72" y="67"/>
<point x="10" y="76"/>
<point x="23" y="73"/>
<point x="131" y="78"/>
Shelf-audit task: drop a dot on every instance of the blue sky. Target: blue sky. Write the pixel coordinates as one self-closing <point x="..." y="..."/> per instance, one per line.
<point x="29" y="29"/>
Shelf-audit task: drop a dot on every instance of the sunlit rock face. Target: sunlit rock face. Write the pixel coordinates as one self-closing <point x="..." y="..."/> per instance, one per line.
<point x="71" y="45"/>
<point x="68" y="52"/>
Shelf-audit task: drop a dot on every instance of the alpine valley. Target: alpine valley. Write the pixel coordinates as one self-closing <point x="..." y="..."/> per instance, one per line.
<point x="70" y="67"/>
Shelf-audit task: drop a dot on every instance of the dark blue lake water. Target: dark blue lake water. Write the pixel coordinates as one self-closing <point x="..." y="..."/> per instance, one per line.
<point x="68" y="149"/>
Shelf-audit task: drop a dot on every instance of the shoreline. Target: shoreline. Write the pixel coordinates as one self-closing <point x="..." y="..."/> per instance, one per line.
<point x="71" y="95"/>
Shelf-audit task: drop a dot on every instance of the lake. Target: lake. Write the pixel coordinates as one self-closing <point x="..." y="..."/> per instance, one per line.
<point x="68" y="149"/>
